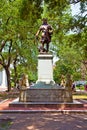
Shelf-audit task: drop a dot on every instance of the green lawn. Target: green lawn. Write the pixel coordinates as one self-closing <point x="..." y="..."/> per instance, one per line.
<point x="5" y="124"/>
<point x="82" y="96"/>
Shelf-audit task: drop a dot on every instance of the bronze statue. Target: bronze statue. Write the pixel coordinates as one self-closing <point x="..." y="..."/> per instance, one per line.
<point x="23" y="82"/>
<point x="47" y="32"/>
<point x="63" y="81"/>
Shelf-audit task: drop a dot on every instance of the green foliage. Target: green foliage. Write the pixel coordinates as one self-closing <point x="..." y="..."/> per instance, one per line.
<point x="17" y="36"/>
<point x="69" y="62"/>
<point x="19" y="21"/>
<point x="69" y="38"/>
<point x="31" y="10"/>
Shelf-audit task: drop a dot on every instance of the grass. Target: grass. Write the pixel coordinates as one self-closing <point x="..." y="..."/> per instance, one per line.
<point x="80" y="96"/>
<point x="12" y="94"/>
<point x="5" y="124"/>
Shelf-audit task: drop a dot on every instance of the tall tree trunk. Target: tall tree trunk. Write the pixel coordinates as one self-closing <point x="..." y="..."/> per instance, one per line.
<point x="15" y="75"/>
<point x="15" y="71"/>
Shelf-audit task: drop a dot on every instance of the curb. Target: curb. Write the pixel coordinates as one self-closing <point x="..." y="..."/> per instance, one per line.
<point x="45" y="111"/>
<point x="3" y="101"/>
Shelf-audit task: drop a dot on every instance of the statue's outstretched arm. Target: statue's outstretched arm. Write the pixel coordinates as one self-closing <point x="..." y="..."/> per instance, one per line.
<point x="37" y="33"/>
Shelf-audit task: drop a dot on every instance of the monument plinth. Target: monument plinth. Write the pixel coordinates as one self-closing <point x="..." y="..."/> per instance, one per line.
<point x="45" y="89"/>
<point x="45" y="68"/>
<point x="45" y="93"/>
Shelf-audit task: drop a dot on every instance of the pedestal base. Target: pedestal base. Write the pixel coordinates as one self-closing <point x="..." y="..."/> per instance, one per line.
<point x="45" y="97"/>
<point x="42" y="95"/>
<point x="45" y="68"/>
<point x="42" y="105"/>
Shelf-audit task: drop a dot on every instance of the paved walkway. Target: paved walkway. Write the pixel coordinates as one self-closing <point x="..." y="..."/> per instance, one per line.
<point x="45" y="121"/>
<point x="20" y="118"/>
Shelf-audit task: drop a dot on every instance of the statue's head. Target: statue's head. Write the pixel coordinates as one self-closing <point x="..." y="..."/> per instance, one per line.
<point x="44" y="20"/>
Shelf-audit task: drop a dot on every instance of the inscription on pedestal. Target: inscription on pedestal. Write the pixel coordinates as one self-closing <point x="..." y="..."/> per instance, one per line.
<point x="45" y="68"/>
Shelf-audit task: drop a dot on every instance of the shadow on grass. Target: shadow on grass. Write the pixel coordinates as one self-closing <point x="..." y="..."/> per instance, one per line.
<point x="5" y="124"/>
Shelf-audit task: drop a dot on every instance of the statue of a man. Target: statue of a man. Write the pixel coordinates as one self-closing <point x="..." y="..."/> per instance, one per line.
<point x="47" y="32"/>
<point x="23" y="82"/>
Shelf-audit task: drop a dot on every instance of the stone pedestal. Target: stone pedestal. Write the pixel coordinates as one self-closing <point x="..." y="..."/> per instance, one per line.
<point x="42" y="95"/>
<point x="45" y="93"/>
<point x="45" y="89"/>
<point x="45" y="68"/>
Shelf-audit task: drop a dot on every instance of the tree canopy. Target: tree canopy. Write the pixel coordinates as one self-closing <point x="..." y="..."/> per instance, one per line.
<point x="19" y="21"/>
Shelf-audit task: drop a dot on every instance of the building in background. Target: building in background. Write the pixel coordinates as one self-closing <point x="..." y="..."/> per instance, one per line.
<point x="3" y="80"/>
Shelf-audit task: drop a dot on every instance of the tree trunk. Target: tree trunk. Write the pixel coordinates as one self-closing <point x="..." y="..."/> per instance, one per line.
<point x="15" y="75"/>
<point x="15" y="71"/>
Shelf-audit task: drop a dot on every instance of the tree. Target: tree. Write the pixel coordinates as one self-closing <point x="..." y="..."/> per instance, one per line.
<point x="64" y="23"/>
<point x="16" y="37"/>
<point x="19" y="21"/>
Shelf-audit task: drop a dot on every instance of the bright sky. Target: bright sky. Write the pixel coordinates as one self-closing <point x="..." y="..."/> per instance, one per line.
<point x="75" y="8"/>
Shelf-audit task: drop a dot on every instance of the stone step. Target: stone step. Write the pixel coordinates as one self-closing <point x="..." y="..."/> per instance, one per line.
<point x="16" y="103"/>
